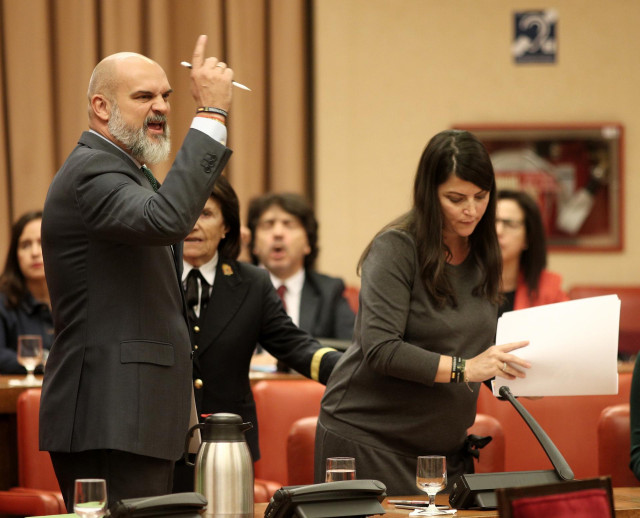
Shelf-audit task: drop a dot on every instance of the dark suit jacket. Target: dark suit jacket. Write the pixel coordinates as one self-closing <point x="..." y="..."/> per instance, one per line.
<point x="324" y="312"/>
<point x="119" y="372"/>
<point x="245" y="309"/>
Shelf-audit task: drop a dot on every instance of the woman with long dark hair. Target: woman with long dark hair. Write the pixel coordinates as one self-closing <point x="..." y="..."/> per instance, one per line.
<point x="24" y="297"/>
<point x="409" y="384"/>
<point x="525" y="280"/>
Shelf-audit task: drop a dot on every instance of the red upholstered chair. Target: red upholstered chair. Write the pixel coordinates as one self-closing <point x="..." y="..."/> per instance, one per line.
<point x="629" y="338"/>
<point x="28" y="503"/>
<point x="279" y="403"/>
<point x="300" y="449"/>
<point x="263" y="490"/>
<point x="35" y="471"/>
<point x="34" y="466"/>
<point x="614" y="446"/>
<point x="302" y="436"/>
<point x="589" y="498"/>
<point x="352" y="294"/>
<point x="492" y="456"/>
<point x="36" y="475"/>
<point x="570" y="421"/>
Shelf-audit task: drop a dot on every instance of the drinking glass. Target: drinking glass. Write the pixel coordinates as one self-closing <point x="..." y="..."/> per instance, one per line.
<point x="90" y="497"/>
<point x="340" y="468"/>
<point x="431" y="477"/>
<point x="29" y="355"/>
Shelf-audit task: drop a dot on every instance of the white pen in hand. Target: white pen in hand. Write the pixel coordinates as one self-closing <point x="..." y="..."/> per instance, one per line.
<point x="186" y="64"/>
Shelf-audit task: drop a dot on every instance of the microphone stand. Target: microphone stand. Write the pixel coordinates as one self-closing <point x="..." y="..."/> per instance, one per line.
<point x="478" y="490"/>
<point x="559" y="463"/>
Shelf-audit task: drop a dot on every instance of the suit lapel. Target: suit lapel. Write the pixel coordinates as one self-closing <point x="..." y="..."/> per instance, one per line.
<point x="97" y="142"/>
<point x="309" y="304"/>
<point x="228" y="293"/>
<point x="177" y="259"/>
<point x="176" y="251"/>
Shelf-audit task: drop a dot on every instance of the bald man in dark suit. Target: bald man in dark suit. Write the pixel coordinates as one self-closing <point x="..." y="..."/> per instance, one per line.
<point x="117" y="389"/>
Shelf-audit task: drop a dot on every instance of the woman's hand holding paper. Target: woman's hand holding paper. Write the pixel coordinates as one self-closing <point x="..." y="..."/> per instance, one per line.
<point x="496" y="361"/>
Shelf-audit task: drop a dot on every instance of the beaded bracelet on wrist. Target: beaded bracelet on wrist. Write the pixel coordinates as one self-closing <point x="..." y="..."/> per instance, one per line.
<point x="210" y="109"/>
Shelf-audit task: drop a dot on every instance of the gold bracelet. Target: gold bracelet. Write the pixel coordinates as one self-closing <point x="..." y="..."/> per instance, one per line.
<point x="465" y="375"/>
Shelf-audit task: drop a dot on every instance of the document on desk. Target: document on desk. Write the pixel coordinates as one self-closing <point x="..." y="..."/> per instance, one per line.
<point x="573" y="347"/>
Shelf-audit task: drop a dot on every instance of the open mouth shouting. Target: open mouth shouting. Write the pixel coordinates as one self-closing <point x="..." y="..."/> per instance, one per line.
<point x="278" y="251"/>
<point x="156" y="125"/>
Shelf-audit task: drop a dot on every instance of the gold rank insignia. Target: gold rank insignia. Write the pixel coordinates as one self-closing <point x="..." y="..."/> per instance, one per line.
<point x="226" y="269"/>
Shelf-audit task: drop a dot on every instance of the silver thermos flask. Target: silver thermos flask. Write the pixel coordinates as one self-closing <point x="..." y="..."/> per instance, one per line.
<point x="223" y="467"/>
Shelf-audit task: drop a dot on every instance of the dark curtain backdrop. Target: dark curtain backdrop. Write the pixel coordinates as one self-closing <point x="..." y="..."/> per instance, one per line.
<point x="48" y="49"/>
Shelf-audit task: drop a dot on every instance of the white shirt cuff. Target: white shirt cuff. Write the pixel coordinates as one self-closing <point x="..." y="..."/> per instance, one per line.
<point x="215" y="129"/>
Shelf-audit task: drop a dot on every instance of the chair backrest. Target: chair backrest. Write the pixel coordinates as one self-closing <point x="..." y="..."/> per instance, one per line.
<point x="492" y="456"/>
<point x="34" y="466"/>
<point x="263" y="490"/>
<point x="18" y="503"/>
<point x="614" y="446"/>
<point x="279" y="403"/>
<point x="589" y="498"/>
<point x="302" y="436"/>
<point x="629" y="338"/>
<point x="352" y="294"/>
<point x="301" y="445"/>
<point x="578" y="442"/>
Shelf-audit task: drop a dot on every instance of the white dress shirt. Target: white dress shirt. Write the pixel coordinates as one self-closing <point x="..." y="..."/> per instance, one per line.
<point x="207" y="270"/>
<point x="293" y="295"/>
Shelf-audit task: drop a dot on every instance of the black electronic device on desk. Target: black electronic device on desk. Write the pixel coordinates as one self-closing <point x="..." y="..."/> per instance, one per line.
<point x="177" y="505"/>
<point x="478" y="490"/>
<point x="346" y="498"/>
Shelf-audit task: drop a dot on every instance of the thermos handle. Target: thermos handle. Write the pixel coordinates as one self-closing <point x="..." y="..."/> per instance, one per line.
<point x="188" y="440"/>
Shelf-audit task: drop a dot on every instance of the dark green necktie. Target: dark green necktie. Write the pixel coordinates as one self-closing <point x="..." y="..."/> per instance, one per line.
<point x="152" y="179"/>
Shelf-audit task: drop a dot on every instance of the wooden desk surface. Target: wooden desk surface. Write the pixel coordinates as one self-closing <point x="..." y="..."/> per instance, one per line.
<point x="9" y="394"/>
<point x="626" y="502"/>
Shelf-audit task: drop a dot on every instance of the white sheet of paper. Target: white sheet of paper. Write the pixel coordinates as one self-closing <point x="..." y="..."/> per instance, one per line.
<point x="573" y="347"/>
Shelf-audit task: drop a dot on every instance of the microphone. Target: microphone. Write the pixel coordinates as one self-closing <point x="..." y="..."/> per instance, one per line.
<point x="478" y="490"/>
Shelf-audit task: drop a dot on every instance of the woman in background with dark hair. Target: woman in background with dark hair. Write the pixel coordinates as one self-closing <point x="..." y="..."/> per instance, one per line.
<point x="24" y="297"/>
<point x="232" y="307"/>
<point x="525" y="280"/>
<point x="409" y="384"/>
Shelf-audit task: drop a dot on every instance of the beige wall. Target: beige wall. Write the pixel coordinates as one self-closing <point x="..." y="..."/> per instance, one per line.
<point x="391" y="73"/>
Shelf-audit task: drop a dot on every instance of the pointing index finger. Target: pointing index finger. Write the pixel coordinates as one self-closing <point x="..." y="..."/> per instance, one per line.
<point x="514" y="345"/>
<point x="198" y="51"/>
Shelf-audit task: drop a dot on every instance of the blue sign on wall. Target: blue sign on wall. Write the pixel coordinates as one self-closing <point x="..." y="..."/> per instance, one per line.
<point x="535" y="36"/>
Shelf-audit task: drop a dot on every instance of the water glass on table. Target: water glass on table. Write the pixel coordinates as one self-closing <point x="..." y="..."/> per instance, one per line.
<point x="90" y="497"/>
<point x="340" y="468"/>
<point x="431" y="477"/>
<point x="29" y="355"/>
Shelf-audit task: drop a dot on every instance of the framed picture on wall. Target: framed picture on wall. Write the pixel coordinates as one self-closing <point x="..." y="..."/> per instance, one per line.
<point x="574" y="171"/>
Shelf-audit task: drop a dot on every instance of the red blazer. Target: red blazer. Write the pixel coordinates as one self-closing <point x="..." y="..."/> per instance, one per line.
<point x="549" y="291"/>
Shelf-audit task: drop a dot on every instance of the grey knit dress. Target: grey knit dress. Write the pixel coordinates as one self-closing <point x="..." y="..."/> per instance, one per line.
<point x="381" y="404"/>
